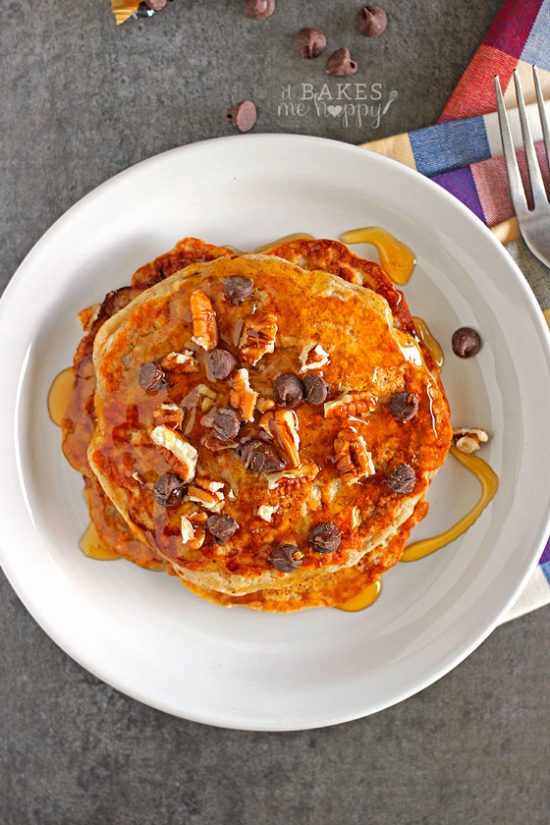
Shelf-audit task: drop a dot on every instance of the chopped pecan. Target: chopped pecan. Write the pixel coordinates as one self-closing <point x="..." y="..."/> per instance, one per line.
<point x="181" y="449"/>
<point x="205" y="327"/>
<point x="350" y="403"/>
<point x="241" y="396"/>
<point x="170" y="415"/>
<point x="266" y="511"/>
<point x="307" y="472"/>
<point x="283" y="425"/>
<point x="264" y="404"/>
<point x="469" y="439"/>
<point x="192" y="536"/>
<point x="353" y="459"/>
<point x="180" y="362"/>
<point x="313" y="357"/>
<point x="258" y="337"/>
<point x="212" y="501"/>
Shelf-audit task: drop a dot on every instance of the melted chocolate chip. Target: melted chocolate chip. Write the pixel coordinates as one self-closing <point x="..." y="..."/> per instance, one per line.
<point x="168" y="490"/>
<point x="221" y="363"/>
<point x="221" y="527"/>
<point x="260" y="457"/>
<point x="372" y="21"/>
<point x="226" y="424"/>
<point x="340" y="64"/>
<point x="286" y="557"/>
<point x="243" y="115"/>
<point x="325" y="537"/>
<point x="403" y="406"/>
<point x="152" y="377"/>
<point x="259" y="9"/>
<point x="316" y="390"/>
<point x="236" y="289"/>
<point x="288" y="389"/>
<point x="310" y="43"/>
<point x="401" y="479"/>
<point x="466" y="342"/>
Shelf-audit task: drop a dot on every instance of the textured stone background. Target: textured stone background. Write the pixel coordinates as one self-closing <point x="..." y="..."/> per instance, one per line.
<point x="81" y="101"/>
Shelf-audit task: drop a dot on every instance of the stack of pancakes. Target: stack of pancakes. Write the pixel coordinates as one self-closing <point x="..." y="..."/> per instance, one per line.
<point x="264" y="426"/>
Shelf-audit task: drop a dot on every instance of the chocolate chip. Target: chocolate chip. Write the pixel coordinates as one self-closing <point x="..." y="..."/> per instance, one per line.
<point x="168" y="490"/>
<point x="316" y="390"/>
<point x="340" y="64"/>
<point x="310" y="43"/>
<point x="260" y="457"/>
<point x="401" y="479"/>
<point x="288" y="389"/>
<point x="221" y="527"/>
<point x="259" y="9"/>
<point x="152" y="377"/>
<point x="466" y="342"/>
<point x="226" y="424"/>
<point x="236" y="289"/>
<point x="372" y="21"/>
<point x="403" y="406"/>
<point x="325" y="537"/>
<point x="243" y="115"/>
<point x="221" y="363"/>
<point x="286" y="557"/>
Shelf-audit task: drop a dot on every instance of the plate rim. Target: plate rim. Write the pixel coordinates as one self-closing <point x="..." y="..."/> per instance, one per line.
<point x="449" y="661"/>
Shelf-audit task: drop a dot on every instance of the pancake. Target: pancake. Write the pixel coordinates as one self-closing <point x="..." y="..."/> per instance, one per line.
<point x="348" y="450"/>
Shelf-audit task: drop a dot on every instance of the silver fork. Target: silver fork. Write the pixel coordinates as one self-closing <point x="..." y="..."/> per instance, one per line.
<point x="534" y="223"/>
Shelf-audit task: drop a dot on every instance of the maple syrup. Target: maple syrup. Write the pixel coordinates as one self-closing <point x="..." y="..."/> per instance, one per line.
<point x="423" y="332"/>
<point x="296" y="236"/>
<point x="60" y="395"/>
<point x="396" y="258"/>
<point x="92" y="546"/>
<point x="488" y="480"/>
<point x="363" y="599"/>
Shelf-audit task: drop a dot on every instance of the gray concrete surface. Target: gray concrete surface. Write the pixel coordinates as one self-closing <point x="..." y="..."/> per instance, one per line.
<point x="82" y="100"/>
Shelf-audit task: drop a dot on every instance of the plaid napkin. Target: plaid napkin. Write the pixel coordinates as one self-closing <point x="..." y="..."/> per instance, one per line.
<point x="463" y="154"/>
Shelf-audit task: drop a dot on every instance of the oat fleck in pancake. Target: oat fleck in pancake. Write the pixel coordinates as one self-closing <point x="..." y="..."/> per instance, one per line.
<point x="266" y="429"/>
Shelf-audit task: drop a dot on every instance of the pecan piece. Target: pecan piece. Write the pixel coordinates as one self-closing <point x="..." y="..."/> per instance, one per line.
<point x="352" y="458"/>
<point x="180" y="362"/>
<point x="307" y="472"/>
<point x="241" y="396"/>
<point x="181" y="449"/>
<point x="170" y="415"/>
<point x="258" y="337"/>
<point x="469" y="439"/>
<point x="313" y="357"/>
<point x="205" y="327"/>
<point x="212" y="500"/>
<point x="350" y="403"/>
<point x="283" y="425"/>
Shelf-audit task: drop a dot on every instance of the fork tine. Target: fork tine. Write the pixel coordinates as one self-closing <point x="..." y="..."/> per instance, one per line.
<point x="517" y="193"/>
<point x="535" y="176"/>
<point x="542" y="114"/>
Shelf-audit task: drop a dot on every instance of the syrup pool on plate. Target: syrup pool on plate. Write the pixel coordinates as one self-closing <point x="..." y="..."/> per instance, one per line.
<point x="396" y="258"/>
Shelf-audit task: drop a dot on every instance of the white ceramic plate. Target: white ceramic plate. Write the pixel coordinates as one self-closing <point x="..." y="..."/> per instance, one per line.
<point x="146" y="634"/>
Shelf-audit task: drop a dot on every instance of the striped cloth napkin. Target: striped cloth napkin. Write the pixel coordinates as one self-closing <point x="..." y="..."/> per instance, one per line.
<point x="463" y="154"/>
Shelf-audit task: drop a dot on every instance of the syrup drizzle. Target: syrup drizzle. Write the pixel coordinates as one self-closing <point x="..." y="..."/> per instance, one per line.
<point x="92" y="546"/>
<point x="296" y="236"/>
<point x="60" y="394"/>
<point x="363" y="599"/>
<point x="396" y="258"/>
<point x="488" y="480"/>
<point x="423" y="332"/>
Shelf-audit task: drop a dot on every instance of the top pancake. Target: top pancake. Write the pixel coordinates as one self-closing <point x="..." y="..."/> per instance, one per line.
<point x="371" y="356"/>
